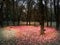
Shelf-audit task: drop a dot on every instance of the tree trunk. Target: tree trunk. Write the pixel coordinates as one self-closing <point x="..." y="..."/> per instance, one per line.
<point x="41" y="15"/>
<point x="51" y="13"/>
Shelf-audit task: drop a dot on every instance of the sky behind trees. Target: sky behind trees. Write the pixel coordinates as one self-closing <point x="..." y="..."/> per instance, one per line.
<point x="20" y="2"/>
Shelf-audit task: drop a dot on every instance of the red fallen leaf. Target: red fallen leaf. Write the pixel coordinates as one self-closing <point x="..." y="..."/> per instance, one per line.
<point x="33" y="33"/>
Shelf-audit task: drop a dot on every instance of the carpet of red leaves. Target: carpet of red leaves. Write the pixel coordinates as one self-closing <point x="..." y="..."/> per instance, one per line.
<point x="30" y="35"/>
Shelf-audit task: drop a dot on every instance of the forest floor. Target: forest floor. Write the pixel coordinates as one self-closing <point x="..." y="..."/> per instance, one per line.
<point x="29" y="35"/>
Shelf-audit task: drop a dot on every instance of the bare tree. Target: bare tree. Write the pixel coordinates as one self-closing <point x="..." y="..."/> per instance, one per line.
<point x="46" y="10"/>
<point x="29" y="8"/>
<point x="57" y="16"/>
<point x="7" y="2"/>
<point x="41" y="15"/>
<point x="1" y="13"/>
<point x="51" y="12"/>
<point x="56" y="11"/>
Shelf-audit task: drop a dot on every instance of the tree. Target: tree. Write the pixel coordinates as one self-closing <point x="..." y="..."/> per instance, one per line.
<point x="46" y="10"/>
<point x="29" y="8"/>
<point x="57" y="16"/>
<point x="1" y="13"/>
<point x="41" y="15"/>
<point x="56" y="11"/>
<point x="51" y="13"/>
<point x="20" y="13"/>
<point x="7" y="2"/>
